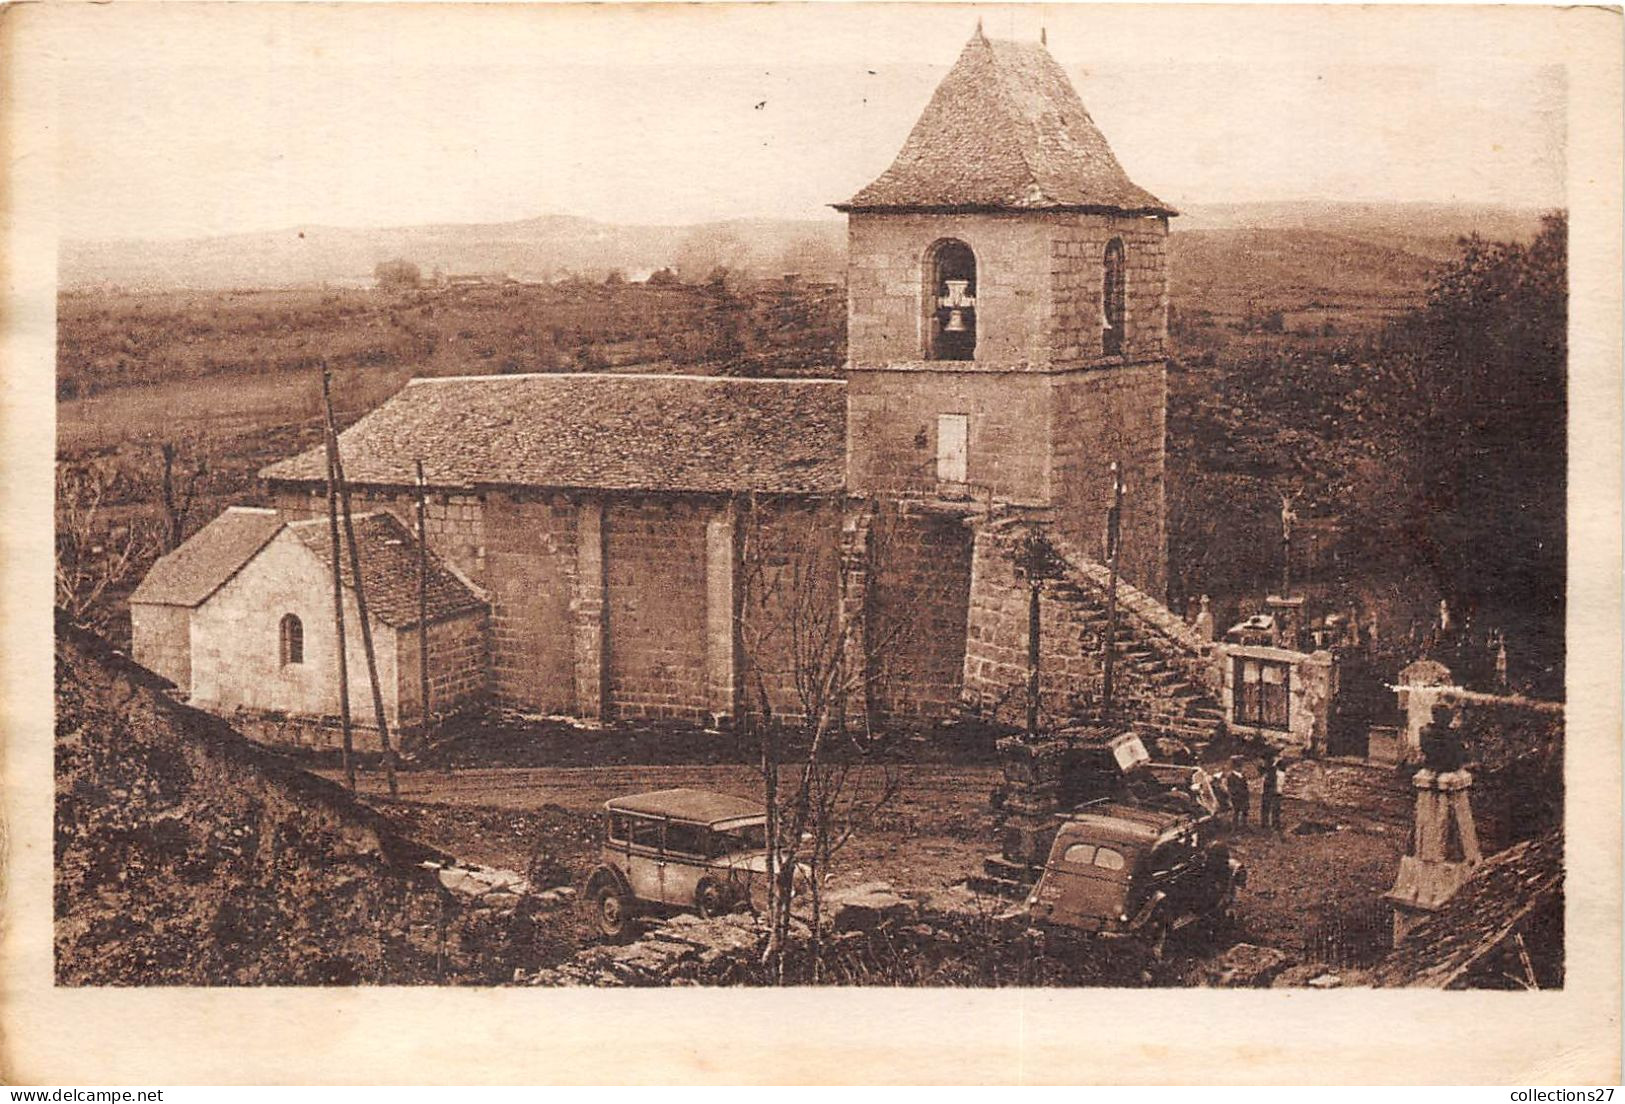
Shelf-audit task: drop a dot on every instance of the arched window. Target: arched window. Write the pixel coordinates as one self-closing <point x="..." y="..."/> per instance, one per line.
<point x="293" y="640"/>
<point x="1112" y="295"/>
<point x="950" y="301"/>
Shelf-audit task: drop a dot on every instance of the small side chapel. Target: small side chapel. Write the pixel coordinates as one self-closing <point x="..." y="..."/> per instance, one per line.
<point x="1007" y="323"/>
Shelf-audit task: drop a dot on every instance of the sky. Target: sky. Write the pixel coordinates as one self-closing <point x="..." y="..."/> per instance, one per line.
<point x="181" y="120"/>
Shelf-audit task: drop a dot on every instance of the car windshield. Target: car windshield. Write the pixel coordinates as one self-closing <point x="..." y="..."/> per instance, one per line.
<point x="743" y="837"/>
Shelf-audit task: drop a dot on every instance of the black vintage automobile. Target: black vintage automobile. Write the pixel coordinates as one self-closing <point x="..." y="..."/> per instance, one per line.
<point x="1125" y="870"/>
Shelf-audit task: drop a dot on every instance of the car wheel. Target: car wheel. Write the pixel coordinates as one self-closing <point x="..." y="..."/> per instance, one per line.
<point x="710" y="900"/>
<point x="613" y="910"/>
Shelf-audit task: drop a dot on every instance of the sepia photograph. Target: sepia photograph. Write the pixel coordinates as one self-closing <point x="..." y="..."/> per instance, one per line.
<point x="888" y="496"/>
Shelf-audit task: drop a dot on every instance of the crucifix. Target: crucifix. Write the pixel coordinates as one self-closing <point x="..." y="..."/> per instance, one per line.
<point x="1288" y="516"/>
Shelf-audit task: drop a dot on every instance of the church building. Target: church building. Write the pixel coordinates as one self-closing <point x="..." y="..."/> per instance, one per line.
<point x="657" y="546"/>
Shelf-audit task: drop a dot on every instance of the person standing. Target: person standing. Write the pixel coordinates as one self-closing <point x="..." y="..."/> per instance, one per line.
<point x="1240" y="793"/>
<point x="1269" y="806"/>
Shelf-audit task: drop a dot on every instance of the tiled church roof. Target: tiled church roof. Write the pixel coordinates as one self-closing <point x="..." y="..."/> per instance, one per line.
<point x="201" y="566"/>
<point x="598" y="431"/>
<point x="1005" y="130"/>
<point x="389" y="568"/>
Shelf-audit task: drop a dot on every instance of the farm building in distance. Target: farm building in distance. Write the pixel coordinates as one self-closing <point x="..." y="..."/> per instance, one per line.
<point x="637" y="537"/>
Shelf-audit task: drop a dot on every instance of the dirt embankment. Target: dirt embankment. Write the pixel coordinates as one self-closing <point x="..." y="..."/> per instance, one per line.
<point x="186" y="855"/>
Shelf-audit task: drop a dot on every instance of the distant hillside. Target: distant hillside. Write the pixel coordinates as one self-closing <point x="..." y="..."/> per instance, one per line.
<point x="1429" y="226"/>
<point x="1241" y="273"/>
<point x="537" y="249"/>
<point x="550" y="246"/>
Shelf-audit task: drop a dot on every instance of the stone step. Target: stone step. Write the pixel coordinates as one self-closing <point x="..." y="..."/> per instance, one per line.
<point x="997" y="866"/>
<point x="995" y="887"/>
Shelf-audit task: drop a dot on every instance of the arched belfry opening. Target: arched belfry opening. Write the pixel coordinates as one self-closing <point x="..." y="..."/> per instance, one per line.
<point x="950" y="301"/>
<point x="1113" y="294"/>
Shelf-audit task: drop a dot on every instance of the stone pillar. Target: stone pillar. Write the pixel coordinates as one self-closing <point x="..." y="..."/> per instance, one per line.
<point x="722" y="686"/>
<point x="856" y="526"/>
<point x="589" y="610"/>
<point x="1444" y="849"/>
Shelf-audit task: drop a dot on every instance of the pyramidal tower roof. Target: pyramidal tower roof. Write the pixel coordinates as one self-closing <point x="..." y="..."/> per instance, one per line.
<point x="1005" y="130"/>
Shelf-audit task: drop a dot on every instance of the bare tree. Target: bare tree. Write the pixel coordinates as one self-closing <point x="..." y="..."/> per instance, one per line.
<point x="810" y="642"/>
<point x="178" y="488"/>
<point x="94" y="551"/>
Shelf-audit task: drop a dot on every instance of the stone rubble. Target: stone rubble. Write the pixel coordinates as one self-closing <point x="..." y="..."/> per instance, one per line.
<point x="1247" y="966"/>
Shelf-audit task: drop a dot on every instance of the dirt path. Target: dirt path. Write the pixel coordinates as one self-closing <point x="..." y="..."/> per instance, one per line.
<point x="1303" y="885"/>
<point x="934" y="832"/>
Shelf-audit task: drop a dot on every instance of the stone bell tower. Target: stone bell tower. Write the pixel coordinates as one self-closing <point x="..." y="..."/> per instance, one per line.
<point x="1007" y="314"/>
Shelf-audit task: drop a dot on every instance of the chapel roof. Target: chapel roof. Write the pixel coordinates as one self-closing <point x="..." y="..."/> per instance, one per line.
<point x="201" y="566"/>
<point x="192" y="573"/>
<point x="598" y="431"/>
<point x="1005" y="130"/>
<point x="389" y="568"/>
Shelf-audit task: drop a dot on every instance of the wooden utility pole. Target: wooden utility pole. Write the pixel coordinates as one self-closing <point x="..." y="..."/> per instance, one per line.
<point x="1114" y="540"/>
<point x="1034" y="586"/>
<point x="423" y="596"/>
<point x="361" y="606"/>
<point x="331" y="443"/>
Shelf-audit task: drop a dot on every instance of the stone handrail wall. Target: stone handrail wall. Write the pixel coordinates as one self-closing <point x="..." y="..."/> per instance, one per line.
<point x="1163" y="629"/>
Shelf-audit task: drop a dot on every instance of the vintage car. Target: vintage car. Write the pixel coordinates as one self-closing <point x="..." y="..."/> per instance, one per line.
<point x="678" y="849"/>
<point x="1118" y="869"/>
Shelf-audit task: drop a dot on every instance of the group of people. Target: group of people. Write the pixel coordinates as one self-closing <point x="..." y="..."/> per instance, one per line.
<point x="1229" y="792"/>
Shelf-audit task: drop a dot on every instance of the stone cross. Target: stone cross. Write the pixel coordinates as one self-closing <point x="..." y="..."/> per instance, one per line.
<point x="1288" y="516"/>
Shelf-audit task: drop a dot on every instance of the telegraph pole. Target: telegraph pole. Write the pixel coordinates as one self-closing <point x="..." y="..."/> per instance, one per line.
<point x="360" y="598"/>
<point x="331" y="442"/>
<point x="1032" y="654"/>
<point x="423" y="598"/>
<point x="1114" y="541"/>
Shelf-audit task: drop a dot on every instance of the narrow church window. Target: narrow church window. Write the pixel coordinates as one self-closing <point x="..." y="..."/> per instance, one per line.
<point x="953" y="445"/>
<point x="951" y="301"/>
<point x="293" y="640"/>
<point x="1112" y="297"/>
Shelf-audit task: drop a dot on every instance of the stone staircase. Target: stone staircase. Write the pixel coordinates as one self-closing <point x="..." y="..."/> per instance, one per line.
<point x="1165" y="682"/>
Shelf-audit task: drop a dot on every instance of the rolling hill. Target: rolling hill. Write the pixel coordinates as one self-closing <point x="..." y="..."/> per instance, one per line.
<point x="544" y="248"/>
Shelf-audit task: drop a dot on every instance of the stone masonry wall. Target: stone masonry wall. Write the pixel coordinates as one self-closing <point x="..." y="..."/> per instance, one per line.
<point x="886" y="285"/>
<point x="789" y="582"/>
<point x="459" y="666"/>
<point x="236" y="642"/>
<point x="919" y="596"/>
<point x="1039" y="283"/>
<point x="891" y="429"/>
<point x="1108" y="414"/>
<point x="1077" y="274"/>
<point x="657" y="607"/>
<point x="161" y="641"/>
<point x="530" y="566"/>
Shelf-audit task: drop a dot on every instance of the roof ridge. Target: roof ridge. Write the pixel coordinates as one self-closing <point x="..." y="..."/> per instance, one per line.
<point x="1016" y="118"/>
<point x="691" y="376"/>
